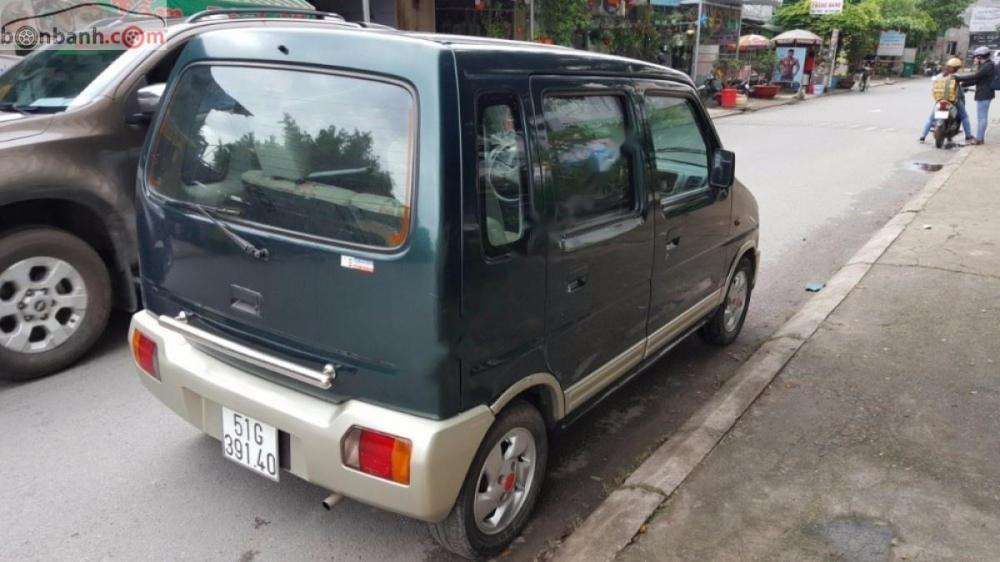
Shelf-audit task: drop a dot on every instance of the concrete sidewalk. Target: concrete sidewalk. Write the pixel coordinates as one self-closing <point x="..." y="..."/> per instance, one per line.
<point x="880" y="439"/>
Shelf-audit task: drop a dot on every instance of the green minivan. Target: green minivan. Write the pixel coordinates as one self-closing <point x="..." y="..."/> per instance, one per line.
<point x="396" y="264"/>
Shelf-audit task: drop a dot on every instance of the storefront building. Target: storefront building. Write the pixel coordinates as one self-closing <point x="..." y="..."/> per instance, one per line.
<point x="694" y="36"/>
<point x="508" y="19"/>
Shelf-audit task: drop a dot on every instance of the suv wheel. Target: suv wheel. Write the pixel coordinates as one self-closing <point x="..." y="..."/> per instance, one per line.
<point x="501" y="488"/>
<point x="55" y="298"/>
<point x="727" y="321"/>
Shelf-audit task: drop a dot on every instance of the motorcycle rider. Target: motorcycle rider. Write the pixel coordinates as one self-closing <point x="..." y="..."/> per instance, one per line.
<point x="867" y="66"/>
<point x="983" y="80"/>
<point x="953" y="65"/>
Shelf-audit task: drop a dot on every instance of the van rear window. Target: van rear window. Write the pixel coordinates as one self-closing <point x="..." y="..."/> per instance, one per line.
<point x="320" y="154"/>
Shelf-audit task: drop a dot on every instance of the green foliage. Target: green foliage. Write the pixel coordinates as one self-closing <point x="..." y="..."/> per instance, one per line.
<point x="638" y="38"/>
<point x="564" y="20"/>
<point x="862" y="20"/>
<point x="762" y="62"/>
<point x="858" y="17"/>
<point x="944" y="13"/>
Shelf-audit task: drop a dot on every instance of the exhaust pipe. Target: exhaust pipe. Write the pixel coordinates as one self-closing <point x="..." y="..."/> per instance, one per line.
<point x="332" y="500"/>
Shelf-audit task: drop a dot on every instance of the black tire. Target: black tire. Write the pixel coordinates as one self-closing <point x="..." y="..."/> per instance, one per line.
<point x="939" y="134"/>
<point x="458" y="532"/>
<point x="50" y="242"/>
<point x="715" y="331"/>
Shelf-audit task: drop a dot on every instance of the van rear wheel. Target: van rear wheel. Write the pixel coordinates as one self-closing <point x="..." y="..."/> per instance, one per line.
<point x="726" y="323"/>
<point x="55" y="299"/>
<point x="501" y="487"/>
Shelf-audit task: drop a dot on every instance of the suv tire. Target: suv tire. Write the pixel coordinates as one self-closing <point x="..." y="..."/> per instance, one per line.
<point x="460" y="532"/>
<point x="46" y="262"/>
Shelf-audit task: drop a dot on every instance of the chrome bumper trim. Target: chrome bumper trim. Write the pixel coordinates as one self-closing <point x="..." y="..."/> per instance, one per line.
<point x="320" y="379"/>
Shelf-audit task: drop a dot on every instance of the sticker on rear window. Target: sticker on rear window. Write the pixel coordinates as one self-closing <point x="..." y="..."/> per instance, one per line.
<point x="351" y="262"/>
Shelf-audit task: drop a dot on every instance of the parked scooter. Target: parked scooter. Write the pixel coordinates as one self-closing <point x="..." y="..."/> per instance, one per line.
<point x="931" y="68"/>
<point x="710" y="89"/>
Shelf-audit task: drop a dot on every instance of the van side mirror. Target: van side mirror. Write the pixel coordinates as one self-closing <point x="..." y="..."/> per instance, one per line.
<point x="143" y="104"/>
<point x="723" y="169"/>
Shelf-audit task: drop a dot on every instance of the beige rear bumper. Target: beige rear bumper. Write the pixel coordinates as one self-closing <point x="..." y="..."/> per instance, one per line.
<point x="195" y="385"/>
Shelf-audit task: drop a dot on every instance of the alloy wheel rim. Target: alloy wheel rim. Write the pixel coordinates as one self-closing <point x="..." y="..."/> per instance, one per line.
<point x="736" y="299"/>
<point x="43" y="301"/>
<point x="505" y="481"/>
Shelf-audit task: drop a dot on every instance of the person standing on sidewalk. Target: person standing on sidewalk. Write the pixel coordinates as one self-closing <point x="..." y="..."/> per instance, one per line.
<point x="983" y="80"/>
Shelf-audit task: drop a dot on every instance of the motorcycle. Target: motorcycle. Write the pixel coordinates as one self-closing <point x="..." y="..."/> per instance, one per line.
<point x="864" y="77"/>
<point x="947" y="123"/>
<point x="710" y="89"/>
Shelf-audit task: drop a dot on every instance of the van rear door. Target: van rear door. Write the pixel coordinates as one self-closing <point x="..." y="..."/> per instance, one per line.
<point x="277" y="212"/>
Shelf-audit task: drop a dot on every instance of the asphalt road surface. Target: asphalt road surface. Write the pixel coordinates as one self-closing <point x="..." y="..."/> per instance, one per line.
<point x="92" y="467"/>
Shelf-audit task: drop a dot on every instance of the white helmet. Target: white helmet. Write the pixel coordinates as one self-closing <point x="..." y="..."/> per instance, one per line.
<point x="981" y="52"/>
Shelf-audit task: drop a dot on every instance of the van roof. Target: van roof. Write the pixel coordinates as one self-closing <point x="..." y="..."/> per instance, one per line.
<point x="537" y="56"/>
<point x="503" y="54"/>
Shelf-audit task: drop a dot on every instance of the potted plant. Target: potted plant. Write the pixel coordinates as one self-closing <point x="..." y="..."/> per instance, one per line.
<point x="763" y="63"/>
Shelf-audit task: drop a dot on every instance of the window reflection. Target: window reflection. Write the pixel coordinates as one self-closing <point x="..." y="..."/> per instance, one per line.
<point x="591" y="175"/>
<point x="315" y="153"/>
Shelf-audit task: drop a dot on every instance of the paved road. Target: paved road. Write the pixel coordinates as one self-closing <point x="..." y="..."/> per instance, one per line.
<point x="92" y="467"/>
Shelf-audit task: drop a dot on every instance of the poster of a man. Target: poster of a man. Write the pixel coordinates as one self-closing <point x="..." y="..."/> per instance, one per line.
<point x="790" y="66"/>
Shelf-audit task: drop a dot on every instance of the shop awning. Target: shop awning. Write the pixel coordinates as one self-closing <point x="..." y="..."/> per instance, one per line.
<point x="753" y="41"/>
<point x="801" y="37"/>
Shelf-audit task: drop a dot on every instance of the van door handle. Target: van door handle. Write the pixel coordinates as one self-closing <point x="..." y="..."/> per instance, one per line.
<point x="576" y="284"/>
<point x="673" y="243"/>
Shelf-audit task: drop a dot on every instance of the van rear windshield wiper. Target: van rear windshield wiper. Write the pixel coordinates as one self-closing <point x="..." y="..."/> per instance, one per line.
<point x="249" y="249"/>
<point x="22" y="109"/>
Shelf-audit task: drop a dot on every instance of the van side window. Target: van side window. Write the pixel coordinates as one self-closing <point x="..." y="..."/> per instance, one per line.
<point x="681" y="150"/>
<point x="503" y="171"/>
<point x="591" y="174"/>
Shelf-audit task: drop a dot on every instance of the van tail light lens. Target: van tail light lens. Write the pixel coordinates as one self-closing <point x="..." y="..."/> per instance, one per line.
<point x="943" y="105"/>
<point x="378" y="454"/>
<point x="144" y="353"/>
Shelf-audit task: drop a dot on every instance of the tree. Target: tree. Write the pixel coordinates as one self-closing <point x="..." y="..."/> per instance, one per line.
<point x="862" y="20"/>
<point x="564" y="20"/>
<point x="945" y="13"/>
<point x="859" y="24"/>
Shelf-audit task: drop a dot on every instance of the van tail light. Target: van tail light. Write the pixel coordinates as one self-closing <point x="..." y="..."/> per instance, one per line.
<point x="943" y="105"/>
<point x="378" y="454"/>
<point x="144" y="353"/>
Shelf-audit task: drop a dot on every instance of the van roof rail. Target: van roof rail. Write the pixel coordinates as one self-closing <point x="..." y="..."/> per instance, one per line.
<point x="373" y="25"/>
<point x="255" y="12"/>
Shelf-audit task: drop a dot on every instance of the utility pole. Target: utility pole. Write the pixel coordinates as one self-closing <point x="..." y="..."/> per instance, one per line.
<point x="834" y="39"/>
<point x="697" y="43"/>
<point x="531" y="20"/>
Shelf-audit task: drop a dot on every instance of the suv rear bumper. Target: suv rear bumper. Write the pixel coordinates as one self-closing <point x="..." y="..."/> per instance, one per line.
<point x="196" y="385"/>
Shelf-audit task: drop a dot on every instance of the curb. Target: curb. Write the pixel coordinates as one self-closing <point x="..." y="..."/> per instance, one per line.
<point x="620" y="517"/>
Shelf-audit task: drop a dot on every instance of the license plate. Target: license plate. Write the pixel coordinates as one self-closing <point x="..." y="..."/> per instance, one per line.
<point x="940" y="114"/>
<point x="250" y="443"/>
